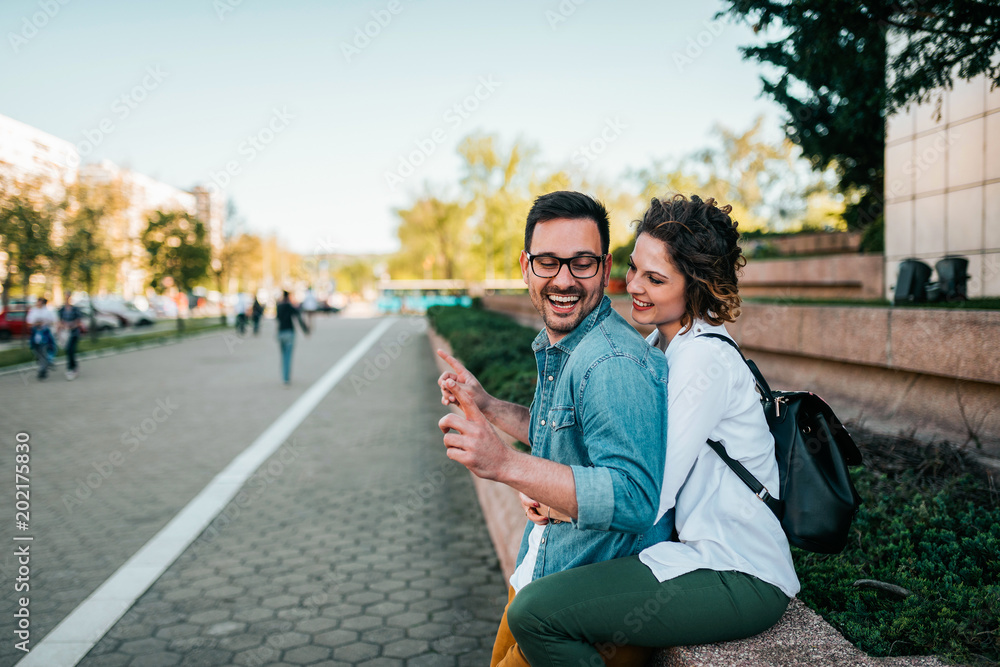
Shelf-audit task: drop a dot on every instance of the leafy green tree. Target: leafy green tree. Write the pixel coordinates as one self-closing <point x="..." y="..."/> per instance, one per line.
<point x="84" y="254"/>
<point x="177" y="245"/>
<point x="27" y="218"/>
<point x="434" y="237"/>
<point x="497" y="182"/>
<point x="838" y="76"/>
<point x="766" y="183"/>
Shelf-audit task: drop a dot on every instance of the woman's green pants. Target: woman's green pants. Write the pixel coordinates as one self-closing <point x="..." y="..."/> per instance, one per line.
<point x="575" y="617"/>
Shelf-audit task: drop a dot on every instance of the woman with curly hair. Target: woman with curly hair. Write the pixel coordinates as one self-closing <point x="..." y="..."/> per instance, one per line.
<point x="728" y="572"/>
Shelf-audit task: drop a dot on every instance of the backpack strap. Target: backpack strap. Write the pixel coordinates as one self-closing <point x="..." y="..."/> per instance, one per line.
<point x="776" y="506"/>
<point x="762" y="385"/>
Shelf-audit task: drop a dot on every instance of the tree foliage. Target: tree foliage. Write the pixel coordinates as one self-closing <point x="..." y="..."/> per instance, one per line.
<point x="27" y="217"/>
<point x="84" y="253"/>
<point x="434" y="236"/>
<point x="177" y="246"/>
<point x="833" y="58"/>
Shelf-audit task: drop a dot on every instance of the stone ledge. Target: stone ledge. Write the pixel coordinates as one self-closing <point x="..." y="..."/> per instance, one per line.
<point x="801" y="637"/>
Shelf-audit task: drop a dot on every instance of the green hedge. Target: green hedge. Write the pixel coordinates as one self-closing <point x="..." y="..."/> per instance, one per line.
<point x="930" y="523"/>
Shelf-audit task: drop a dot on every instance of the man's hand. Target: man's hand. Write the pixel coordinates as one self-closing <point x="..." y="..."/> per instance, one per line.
<point x="460" y="375"/>
<point x="474" y="444"/>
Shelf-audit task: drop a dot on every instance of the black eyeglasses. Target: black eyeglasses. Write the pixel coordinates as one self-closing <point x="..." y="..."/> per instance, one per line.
<point x="581" y="266"/>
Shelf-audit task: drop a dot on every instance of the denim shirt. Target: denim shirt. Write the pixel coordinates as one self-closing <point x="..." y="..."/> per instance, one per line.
<point x="600" y="407"/>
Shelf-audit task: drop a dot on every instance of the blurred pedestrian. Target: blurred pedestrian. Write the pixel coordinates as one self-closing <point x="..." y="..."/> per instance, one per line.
<point x="70" y="318"/>
<point x="287" y="313"/>
<point x="41" y="319"/>
<point x="256" y="312"/>
<point x="241" y="313"/>
<point x="310" y="305"/>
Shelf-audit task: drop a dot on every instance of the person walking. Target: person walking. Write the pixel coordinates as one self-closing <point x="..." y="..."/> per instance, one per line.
<point x="310" y="305"/>
<point x="69" y="321"/>
<point x="256" y="311"/>
<point x="41" y="319"/>
<point x="287" y="313"/>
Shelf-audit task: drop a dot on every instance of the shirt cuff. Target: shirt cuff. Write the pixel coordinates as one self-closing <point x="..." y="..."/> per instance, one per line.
<point x="595" y="498"/>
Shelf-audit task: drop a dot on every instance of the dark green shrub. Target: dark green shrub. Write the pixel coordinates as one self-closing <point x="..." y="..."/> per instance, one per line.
<point x="494" y="348"/>
<point x="935" y="533"/>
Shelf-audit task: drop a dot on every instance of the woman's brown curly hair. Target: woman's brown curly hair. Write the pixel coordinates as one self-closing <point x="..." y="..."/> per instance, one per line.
<point x="701" y="240"/>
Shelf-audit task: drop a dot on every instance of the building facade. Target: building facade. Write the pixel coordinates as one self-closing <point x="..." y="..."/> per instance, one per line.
<point x="27" y="154"/>
<point x="942" y="184"/>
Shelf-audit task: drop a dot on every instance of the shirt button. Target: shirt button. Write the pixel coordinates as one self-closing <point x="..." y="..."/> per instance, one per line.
<point x="543" y="422"/>
<point x="551" y="378"/>
<point x="543" y="540"/>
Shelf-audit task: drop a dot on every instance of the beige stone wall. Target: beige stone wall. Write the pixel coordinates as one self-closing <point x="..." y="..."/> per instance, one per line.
<point x="942" y="183"/>
<point x="829" y="277"/>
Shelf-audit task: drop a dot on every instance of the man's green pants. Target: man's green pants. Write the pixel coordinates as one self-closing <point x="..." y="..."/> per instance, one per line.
<point x="572" y="618"/>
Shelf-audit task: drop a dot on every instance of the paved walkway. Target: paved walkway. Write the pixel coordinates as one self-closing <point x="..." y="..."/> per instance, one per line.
<point x="358" y="542"/>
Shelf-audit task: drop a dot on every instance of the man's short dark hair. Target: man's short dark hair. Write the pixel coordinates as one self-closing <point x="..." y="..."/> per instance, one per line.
<point x="570" y="205"/>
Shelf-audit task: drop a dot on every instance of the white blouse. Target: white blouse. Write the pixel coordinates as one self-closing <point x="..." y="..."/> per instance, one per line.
<point x="721" y="524"/>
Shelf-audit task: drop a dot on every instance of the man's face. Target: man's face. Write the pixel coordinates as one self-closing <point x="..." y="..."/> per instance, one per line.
<point x="564" y="300"/>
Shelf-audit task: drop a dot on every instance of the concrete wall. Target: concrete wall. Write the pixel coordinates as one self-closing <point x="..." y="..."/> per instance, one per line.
<point x="824" y="243"/>
<point x="942" y="183"/>
<point x="931" y="372"/>
<point x="830" y="277"/>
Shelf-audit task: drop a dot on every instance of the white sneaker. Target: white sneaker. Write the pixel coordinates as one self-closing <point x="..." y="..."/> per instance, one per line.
<point x="71" y="375"/>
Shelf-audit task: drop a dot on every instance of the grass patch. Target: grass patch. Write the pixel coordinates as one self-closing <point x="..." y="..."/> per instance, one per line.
<point x="930" y="522"/>
<point x="22" y="355"/>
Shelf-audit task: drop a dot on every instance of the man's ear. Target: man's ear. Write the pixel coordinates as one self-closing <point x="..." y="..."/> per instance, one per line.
<point x="607" y="269"/>
<point x="524" y="267"/>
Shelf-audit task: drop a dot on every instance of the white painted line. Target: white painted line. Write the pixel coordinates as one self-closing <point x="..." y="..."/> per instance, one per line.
<point x="73" y="638"/>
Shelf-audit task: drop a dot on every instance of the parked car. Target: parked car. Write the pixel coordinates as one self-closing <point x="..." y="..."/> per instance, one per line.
<point x="13" y="321"/>
<point x="125" y="311"/>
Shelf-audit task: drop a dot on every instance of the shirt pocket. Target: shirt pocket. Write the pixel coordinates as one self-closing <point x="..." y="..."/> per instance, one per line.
<point x="562" y="417"/>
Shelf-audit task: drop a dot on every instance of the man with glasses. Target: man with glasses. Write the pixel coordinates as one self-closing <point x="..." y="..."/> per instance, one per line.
<point x="596" y="426"/>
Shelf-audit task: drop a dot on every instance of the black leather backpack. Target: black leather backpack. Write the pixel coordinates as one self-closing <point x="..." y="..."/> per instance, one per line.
<point x="816" y="499"/>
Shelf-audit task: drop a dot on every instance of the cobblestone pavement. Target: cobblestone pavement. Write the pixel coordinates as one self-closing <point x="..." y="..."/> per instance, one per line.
<point x="358" y="542"/>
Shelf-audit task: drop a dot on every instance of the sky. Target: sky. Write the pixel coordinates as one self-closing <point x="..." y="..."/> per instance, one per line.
<point x="319" y="118"/>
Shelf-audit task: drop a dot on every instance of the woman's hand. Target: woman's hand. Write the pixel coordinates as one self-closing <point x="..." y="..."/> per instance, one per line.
<point x="540" y="514"/>
<point x="531" y="510"/>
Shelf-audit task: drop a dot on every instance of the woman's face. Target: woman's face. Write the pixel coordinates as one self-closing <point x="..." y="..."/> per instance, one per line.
<point x="657" y="287"/>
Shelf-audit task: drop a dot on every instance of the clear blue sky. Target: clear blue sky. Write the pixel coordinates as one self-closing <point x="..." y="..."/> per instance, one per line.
<point x="225" y="66"/>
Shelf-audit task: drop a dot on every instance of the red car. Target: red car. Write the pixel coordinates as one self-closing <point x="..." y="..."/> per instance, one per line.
<point x="12" y="322"/>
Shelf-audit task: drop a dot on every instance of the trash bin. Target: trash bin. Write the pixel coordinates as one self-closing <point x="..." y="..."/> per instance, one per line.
<point x="953" y="278"/>
<point x="911" y="281"/>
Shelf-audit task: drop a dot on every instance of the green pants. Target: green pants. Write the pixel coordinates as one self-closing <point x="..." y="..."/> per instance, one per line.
<point x="573" y="617"/>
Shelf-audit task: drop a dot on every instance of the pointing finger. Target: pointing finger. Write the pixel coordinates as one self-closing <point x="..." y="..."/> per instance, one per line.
<point x="452" y="361"/>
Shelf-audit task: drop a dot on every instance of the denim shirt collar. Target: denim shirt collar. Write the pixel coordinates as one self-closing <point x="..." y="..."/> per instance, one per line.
<point x="569" y="342"/>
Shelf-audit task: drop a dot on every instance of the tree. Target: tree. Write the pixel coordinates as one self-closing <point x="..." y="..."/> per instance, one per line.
<point x="766" y="183"/>
<point x="497" y="183"/>
<point x="839" y="77"/>
<point x="179" y="252"/>
<point x="84" y="253"/>
<point x="433" y="235"/>
<point x="27" y="217"/>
